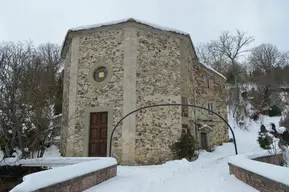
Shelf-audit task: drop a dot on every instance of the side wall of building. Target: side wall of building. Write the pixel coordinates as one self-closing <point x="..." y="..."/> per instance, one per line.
<point x="65" y="104"/>
<point x="188" y="62"/>
<point x="210" y="90"/>
<point x="93" y="48"/>
<point x="196" y="91"/>
<point x="158" y="81"/>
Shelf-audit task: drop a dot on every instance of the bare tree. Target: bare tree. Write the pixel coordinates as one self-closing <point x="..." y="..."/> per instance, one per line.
<point x="267" y="63"/>
<point x="207" y="55"/>
<point x="266" y="58"/>
<point x="27" y="94"/>
<point x="225" y="54"/>
<point x="232" y="46"/>
<point x="227" y="49"/>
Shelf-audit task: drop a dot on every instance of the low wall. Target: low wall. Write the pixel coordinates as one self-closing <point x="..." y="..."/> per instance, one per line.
<point x="257" y="181"/>
<point x="272" y="159"/>
<point x="72" y="178"/>
<point x="258" y="173"/>
<point x="10" y="176"/>
<point x="83" y="182"/>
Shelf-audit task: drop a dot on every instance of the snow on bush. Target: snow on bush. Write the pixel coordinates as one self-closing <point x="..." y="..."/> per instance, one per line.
<point x="275" y="140"/>
<point x="49" y="153"/>
<point x="1" y="155"/>
<point x="52" y="151"/>
<point x="284" y="122"/>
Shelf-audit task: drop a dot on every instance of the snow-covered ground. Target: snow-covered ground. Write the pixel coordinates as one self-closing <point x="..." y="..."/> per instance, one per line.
<point x="209" y="173"/>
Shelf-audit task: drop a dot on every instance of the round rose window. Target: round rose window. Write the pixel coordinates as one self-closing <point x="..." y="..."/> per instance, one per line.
<point x="100" y="74"/>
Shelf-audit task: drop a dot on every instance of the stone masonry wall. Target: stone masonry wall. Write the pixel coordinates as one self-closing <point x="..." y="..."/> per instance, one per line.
<point x="259" y="182"/>
<point x="188" y="61"/>
<point x="83" y="182"/>
<point x="158" y="81"/>
<point x="272" y="159"/>
<point x="194" y="87"/>
<point x="95" y="46"/>
<point x="65" y="103"/>
<point x="216" y="95"/>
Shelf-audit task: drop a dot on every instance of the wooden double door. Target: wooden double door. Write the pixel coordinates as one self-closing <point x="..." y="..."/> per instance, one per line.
<point x="98" y="134"/>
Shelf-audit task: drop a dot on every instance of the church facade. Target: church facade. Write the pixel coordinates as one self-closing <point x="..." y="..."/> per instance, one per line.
<point x="113" y="69"/>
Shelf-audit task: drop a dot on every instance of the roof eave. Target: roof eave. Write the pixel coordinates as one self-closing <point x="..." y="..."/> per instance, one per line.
<point x="213" y="71"/>
<point x="68" y="36"/>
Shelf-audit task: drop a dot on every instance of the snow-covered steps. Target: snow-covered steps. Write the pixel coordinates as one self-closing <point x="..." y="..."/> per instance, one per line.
<point x="87" y="172"/>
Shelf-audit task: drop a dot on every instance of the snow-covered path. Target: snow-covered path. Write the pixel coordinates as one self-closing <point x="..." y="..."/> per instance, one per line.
<point x="209" y="173"/>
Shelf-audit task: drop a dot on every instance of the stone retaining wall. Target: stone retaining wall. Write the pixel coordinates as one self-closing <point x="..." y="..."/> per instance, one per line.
<point x="10" y="176"/>
<point x="83" y="182"/>
<point x="257" y="181"/>
<point x="272" y="159"/>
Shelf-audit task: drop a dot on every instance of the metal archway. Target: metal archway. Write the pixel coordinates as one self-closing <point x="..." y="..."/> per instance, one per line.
<point x="168" y="105"/>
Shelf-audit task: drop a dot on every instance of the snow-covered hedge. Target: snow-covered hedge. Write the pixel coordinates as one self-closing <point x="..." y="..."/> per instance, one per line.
<point x="270" y="171"/>
<point x="54" y="176"/>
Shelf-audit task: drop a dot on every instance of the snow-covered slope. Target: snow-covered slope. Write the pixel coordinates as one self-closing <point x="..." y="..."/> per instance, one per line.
<point x="247" y="139"/>
<point x="208" y="173"/>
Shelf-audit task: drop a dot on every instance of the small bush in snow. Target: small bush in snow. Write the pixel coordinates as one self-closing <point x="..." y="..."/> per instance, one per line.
<point x="185" y="147"/>
<point x="254" y="116"/>
<point x="231" y="140"/>
<point x="264" y="140"/>
<point x="275" y="141"/>
<point x="274" y="111"/>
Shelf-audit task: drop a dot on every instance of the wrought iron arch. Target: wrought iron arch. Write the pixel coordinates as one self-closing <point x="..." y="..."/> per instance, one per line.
<point x="168" y="105"/>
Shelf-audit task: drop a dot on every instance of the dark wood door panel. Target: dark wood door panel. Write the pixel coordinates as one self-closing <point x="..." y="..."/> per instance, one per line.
<point x="98" y="134"/>
<point x="204" y="141"/>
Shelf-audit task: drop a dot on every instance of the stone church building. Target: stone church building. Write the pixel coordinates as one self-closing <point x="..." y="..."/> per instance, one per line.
<point x="113" y="69"/>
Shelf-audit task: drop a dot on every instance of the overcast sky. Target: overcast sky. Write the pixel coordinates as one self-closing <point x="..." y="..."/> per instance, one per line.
<point x="48" y="20"/>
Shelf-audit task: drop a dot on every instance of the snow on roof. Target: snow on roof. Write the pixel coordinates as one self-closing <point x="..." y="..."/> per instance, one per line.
<point x="86" y="27"/>
<point x="213" y="70"/>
